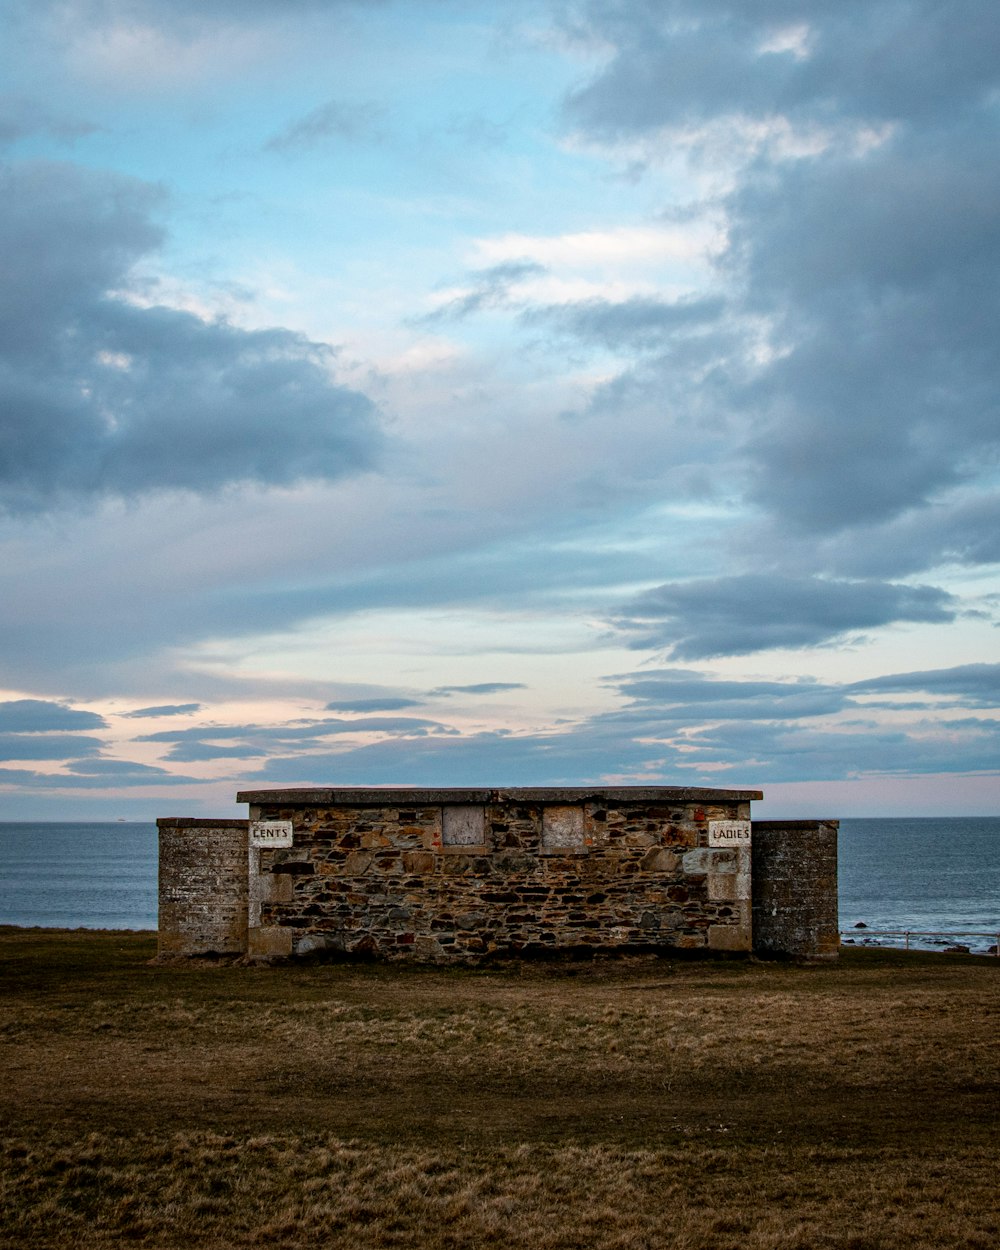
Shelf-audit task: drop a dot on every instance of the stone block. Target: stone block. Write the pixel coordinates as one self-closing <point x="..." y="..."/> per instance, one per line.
<point x="660" y="861"/>
<point x="276" y="887"/>
<point x="723" y="886"/>
<point x="728" y="937"/>
<point x="464" y="825"/>
<point x="563" y="828"/>
<point x="706" y="859"/>
<point x="269" y="942"/>
<point x="419" y="861"/>
<point x="357" y="863"/>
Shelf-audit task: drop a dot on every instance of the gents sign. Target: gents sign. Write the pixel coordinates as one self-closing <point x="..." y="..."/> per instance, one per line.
<point x="270" y="833"/>
<point x="729" y="833"/>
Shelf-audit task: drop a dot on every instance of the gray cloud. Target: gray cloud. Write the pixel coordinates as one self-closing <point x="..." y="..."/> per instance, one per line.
<point x="337" y="119"/>
<point x="868" y="259"/>
<point x="888" y="393"/>
<point x="486" y="759"/>
<point x="248" y="741"/>
<point x="99" y="396"/>
<point x="212" y="732"/>
<point x="682" y="696"/>
<point x="739" y="615"/>
<point x="884" y="59"/>
<point x="794" y="753"/>
<point x="963" y="528"/>
<point x="200" y="752"/>
<point x="20" y="118"/>
<point x="684" y="727"/>
<point x="973" y="685"/>
<point x="187" y="16"/>
<point x="679" y="726"/>
<point x="639" y="323"/>
<point x="488" y="288"/>
<point x="118" y="769"/>
<point x="163" y="709"/>
<point x="43" y="715"/>
<point x="481" y="687"/>
<point x="36" y="746"/>
<point x="120" y="774"/>
<point x="387" y="703"/>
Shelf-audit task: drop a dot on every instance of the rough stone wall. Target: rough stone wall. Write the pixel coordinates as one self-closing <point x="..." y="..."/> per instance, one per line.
<point x="203" y="886"/>
<point x="795" y="888"/>
<point x="436" y="881"/>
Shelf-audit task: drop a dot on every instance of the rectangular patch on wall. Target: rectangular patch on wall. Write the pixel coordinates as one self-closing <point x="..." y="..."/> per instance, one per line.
<point x="562" y="827"/>
<point x="463" y="825"/>
<point x="270" y="833"/>
<point x="729" y="833"/>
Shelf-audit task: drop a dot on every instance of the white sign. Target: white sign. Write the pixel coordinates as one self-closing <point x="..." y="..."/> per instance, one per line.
<point x="270" y="833"/>
<point x="729" y="833"/>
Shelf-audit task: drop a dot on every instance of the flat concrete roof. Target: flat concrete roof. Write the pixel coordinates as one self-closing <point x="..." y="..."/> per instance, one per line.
<point x="371" y="796"/>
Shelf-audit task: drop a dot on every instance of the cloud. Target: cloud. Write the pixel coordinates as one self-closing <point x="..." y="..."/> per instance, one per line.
<point x="337" y="119"/>
<point x="36" y="746"/>
<point x="482" y="687"/>
<point x="885" y="60"/>
<point x="779" y="753"/>
<point x="482" y="759"/>
<point x="118" y="769"/>
<point x="961" y="528"/>
<point x="201" y="752"/>
<point x="640" y="746"/>
<point x="857" y="366"/>
<point x="43" y="716"/>
<point x="384" y="704"/>
<point x="972" y="685"/>
<point x="619" y="245"/>
<point x="684" y="695"/>
<point x="101" y="397"/>
<point x="490" y="288"/>
<point x="248" y="741"/>
<point x="163" y="709"/>
<point x="742" y="614"/>
<point x="638" y="324"/>
<point x="876" y="286"/>
<point x="168" y="12"/>
<point x="118" y="774"/>
<point x="21" y="118"/>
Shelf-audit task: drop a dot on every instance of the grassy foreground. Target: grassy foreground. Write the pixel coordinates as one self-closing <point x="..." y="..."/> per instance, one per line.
<point x="613" y="1106"/>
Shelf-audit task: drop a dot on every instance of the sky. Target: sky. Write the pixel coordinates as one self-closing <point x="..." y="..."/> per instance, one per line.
<point x="408" y="392"/>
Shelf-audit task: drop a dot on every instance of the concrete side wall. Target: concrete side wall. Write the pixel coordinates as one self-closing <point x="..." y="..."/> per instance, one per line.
<point x="440" y="881"/>
<point x="795" y="888"/>
<point x="203" y="886"/>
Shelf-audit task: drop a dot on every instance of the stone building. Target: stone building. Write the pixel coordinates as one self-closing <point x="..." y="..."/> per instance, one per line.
<point x="462" y="875"/>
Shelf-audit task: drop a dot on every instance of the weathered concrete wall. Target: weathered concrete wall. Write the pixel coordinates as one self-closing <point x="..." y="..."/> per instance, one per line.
<point x="453" y="874"/>
<point x="203" y="886"/>
<point x="795" y="888"/>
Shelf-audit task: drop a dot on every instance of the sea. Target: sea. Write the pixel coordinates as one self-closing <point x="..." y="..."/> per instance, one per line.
<point x="936" y="877"/>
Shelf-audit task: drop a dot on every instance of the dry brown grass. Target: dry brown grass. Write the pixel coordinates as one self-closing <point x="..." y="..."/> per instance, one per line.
<point x="614" y="1105"/>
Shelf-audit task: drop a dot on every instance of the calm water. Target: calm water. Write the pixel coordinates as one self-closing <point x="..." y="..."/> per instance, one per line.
<point x="925" y="873"/>
<point x="69" y="876"/>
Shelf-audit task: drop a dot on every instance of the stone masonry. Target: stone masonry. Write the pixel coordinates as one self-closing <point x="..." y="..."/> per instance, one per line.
<point x="460" y="875"/>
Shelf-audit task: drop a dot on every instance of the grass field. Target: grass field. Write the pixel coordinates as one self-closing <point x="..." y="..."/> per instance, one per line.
<point x="613" y="1105"/>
